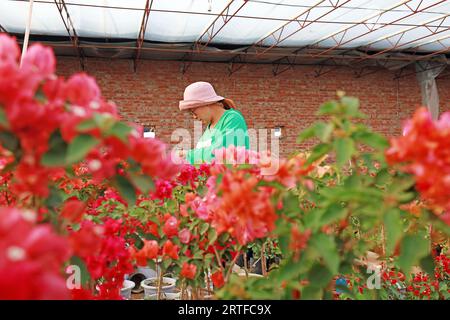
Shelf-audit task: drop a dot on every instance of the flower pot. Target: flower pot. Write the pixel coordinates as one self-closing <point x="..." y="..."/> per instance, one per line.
<point x="141" y="274"/>
<point x="250" y="275"/>
<point x="164" y="296"/>
<point x="127" y="286"/>
<point x="150" y="285"/>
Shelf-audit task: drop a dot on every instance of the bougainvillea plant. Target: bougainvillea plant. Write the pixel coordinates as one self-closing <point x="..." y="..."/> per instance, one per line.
<point x="79" y="187"/>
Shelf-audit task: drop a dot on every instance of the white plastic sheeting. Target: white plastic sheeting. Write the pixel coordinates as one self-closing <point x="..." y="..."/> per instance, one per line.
<point x="92" y="20"/>
<point x="427" y="71"/>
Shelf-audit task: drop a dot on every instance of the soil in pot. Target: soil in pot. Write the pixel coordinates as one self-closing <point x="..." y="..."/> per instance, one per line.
<point x="154" y="283"/>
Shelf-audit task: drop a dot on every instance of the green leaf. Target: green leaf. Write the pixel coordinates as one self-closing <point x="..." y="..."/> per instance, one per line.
<point x="333" y="213"/>
<point x="311" y="293"/>
<point x="143" y="182"/>
<point x="393" y="228"/>
<point x="413" y="249"/>
<point x="9" y="141"/>
<point x="120" y="130"/>
<point x="86" y="125"/>
<point x="212" y="236"/>
<point x="126" y="189"/>
<point x="373" y="140"/>
<point x="306" y="134"/>
<point x="427" y="265"/>
<point x="319" y="276"/>
<point x="55" y="198"/>
<point x="204" y="228"/>
<point x="323" y="130"/>
<point x="326" y="248"/>
<point x="56" y="155"/>
<point x="318" y="152"/>
<point x="80" y="147"/>
<point x="330" y="107"/>
<point x="104" y="121"/>
<point x="382" y="177"/>
<point x="345" y="148"/>
<point x="351" y="106"/>
<point x="291" y="203"/>
<point x="3" y="119"/>
<point x="287" y="271"/>
<point x="166" y="263"/>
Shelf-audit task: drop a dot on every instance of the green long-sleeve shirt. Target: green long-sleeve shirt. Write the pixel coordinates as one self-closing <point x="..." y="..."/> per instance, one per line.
<point x="231" y="129"/>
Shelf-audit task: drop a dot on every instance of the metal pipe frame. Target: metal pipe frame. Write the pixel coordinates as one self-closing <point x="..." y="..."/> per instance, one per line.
<point x="395" y="45"/>
<point x="212" y="14"/>
<point x="341" y="56"/>
<point x="65" y="16"/>
<point x="341" y="41"/>
<point x="210" y="32"/>
<point x="400" y="74"/>
<point x="301" y="20"/>
<point x="281" y="33"/>
<point x="278" y="34"/>
<point x="216" y="26"/>
<point x="143" y="28"/>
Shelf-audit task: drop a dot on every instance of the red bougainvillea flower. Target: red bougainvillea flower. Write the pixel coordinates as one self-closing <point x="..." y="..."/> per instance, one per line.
<point x="87" y="239"/>
<point x="152" y="156"/>
<point x="40" y="59"/>
<point x="217" y="279"/>
<point x="82" y="294"/>
<point x="170" y="227"/>
<point x="82" y="90"/>
<point x="73" y="210"/>
<point x="9" y="50"/>
<point x="108" y="258"/>
<point x="170" y="250"/>
<point x="188" y="270"/>
<point x="148" y="251"/>
<point x="244" y="209"/>
<point x="289" y="172"/>
<point x="424" y="151"/>
<point x="31" y="258"/>
<point x="299" y="239"/>
<point x="163" y="189"/>
<point x="188" y="175"/>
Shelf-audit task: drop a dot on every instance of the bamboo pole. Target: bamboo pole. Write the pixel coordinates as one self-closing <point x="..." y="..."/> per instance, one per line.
<point x="27" y="31"/>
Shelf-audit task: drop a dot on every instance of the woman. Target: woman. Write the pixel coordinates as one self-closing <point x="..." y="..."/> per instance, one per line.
<point x="225" y="125"/>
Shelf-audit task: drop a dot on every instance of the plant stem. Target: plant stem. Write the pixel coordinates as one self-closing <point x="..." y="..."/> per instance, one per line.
<point x="158" y="290"/>
<point x="245" y="264"/>
<point x="263" y="260"/>
<point x="219" y="262"/>
<point x="383" y="241"/>
<point x="231" y="266"/>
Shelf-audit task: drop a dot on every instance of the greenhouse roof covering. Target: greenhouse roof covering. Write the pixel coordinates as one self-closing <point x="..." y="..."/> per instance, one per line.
<point x="390" y="33"/>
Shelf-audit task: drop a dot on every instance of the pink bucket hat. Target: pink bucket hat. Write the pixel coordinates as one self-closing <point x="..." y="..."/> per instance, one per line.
<point x="199" y="94"/>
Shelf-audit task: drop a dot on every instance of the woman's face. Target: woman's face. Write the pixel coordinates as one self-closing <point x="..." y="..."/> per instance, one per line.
<point x="202" y="113"/>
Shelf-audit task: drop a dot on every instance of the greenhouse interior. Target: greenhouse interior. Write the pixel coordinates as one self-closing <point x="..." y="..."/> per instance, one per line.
<point x="225" y="150"/>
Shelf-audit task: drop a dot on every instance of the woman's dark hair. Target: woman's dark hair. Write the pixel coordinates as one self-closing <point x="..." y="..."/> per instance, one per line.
<point x="228" y="104"/>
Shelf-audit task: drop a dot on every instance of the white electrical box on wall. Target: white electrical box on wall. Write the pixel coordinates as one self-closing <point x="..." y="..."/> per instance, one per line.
<point x="149" y="133"/>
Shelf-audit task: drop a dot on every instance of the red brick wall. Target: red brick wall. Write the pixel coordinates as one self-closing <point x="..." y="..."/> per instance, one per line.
<point x="150" y="96"/>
